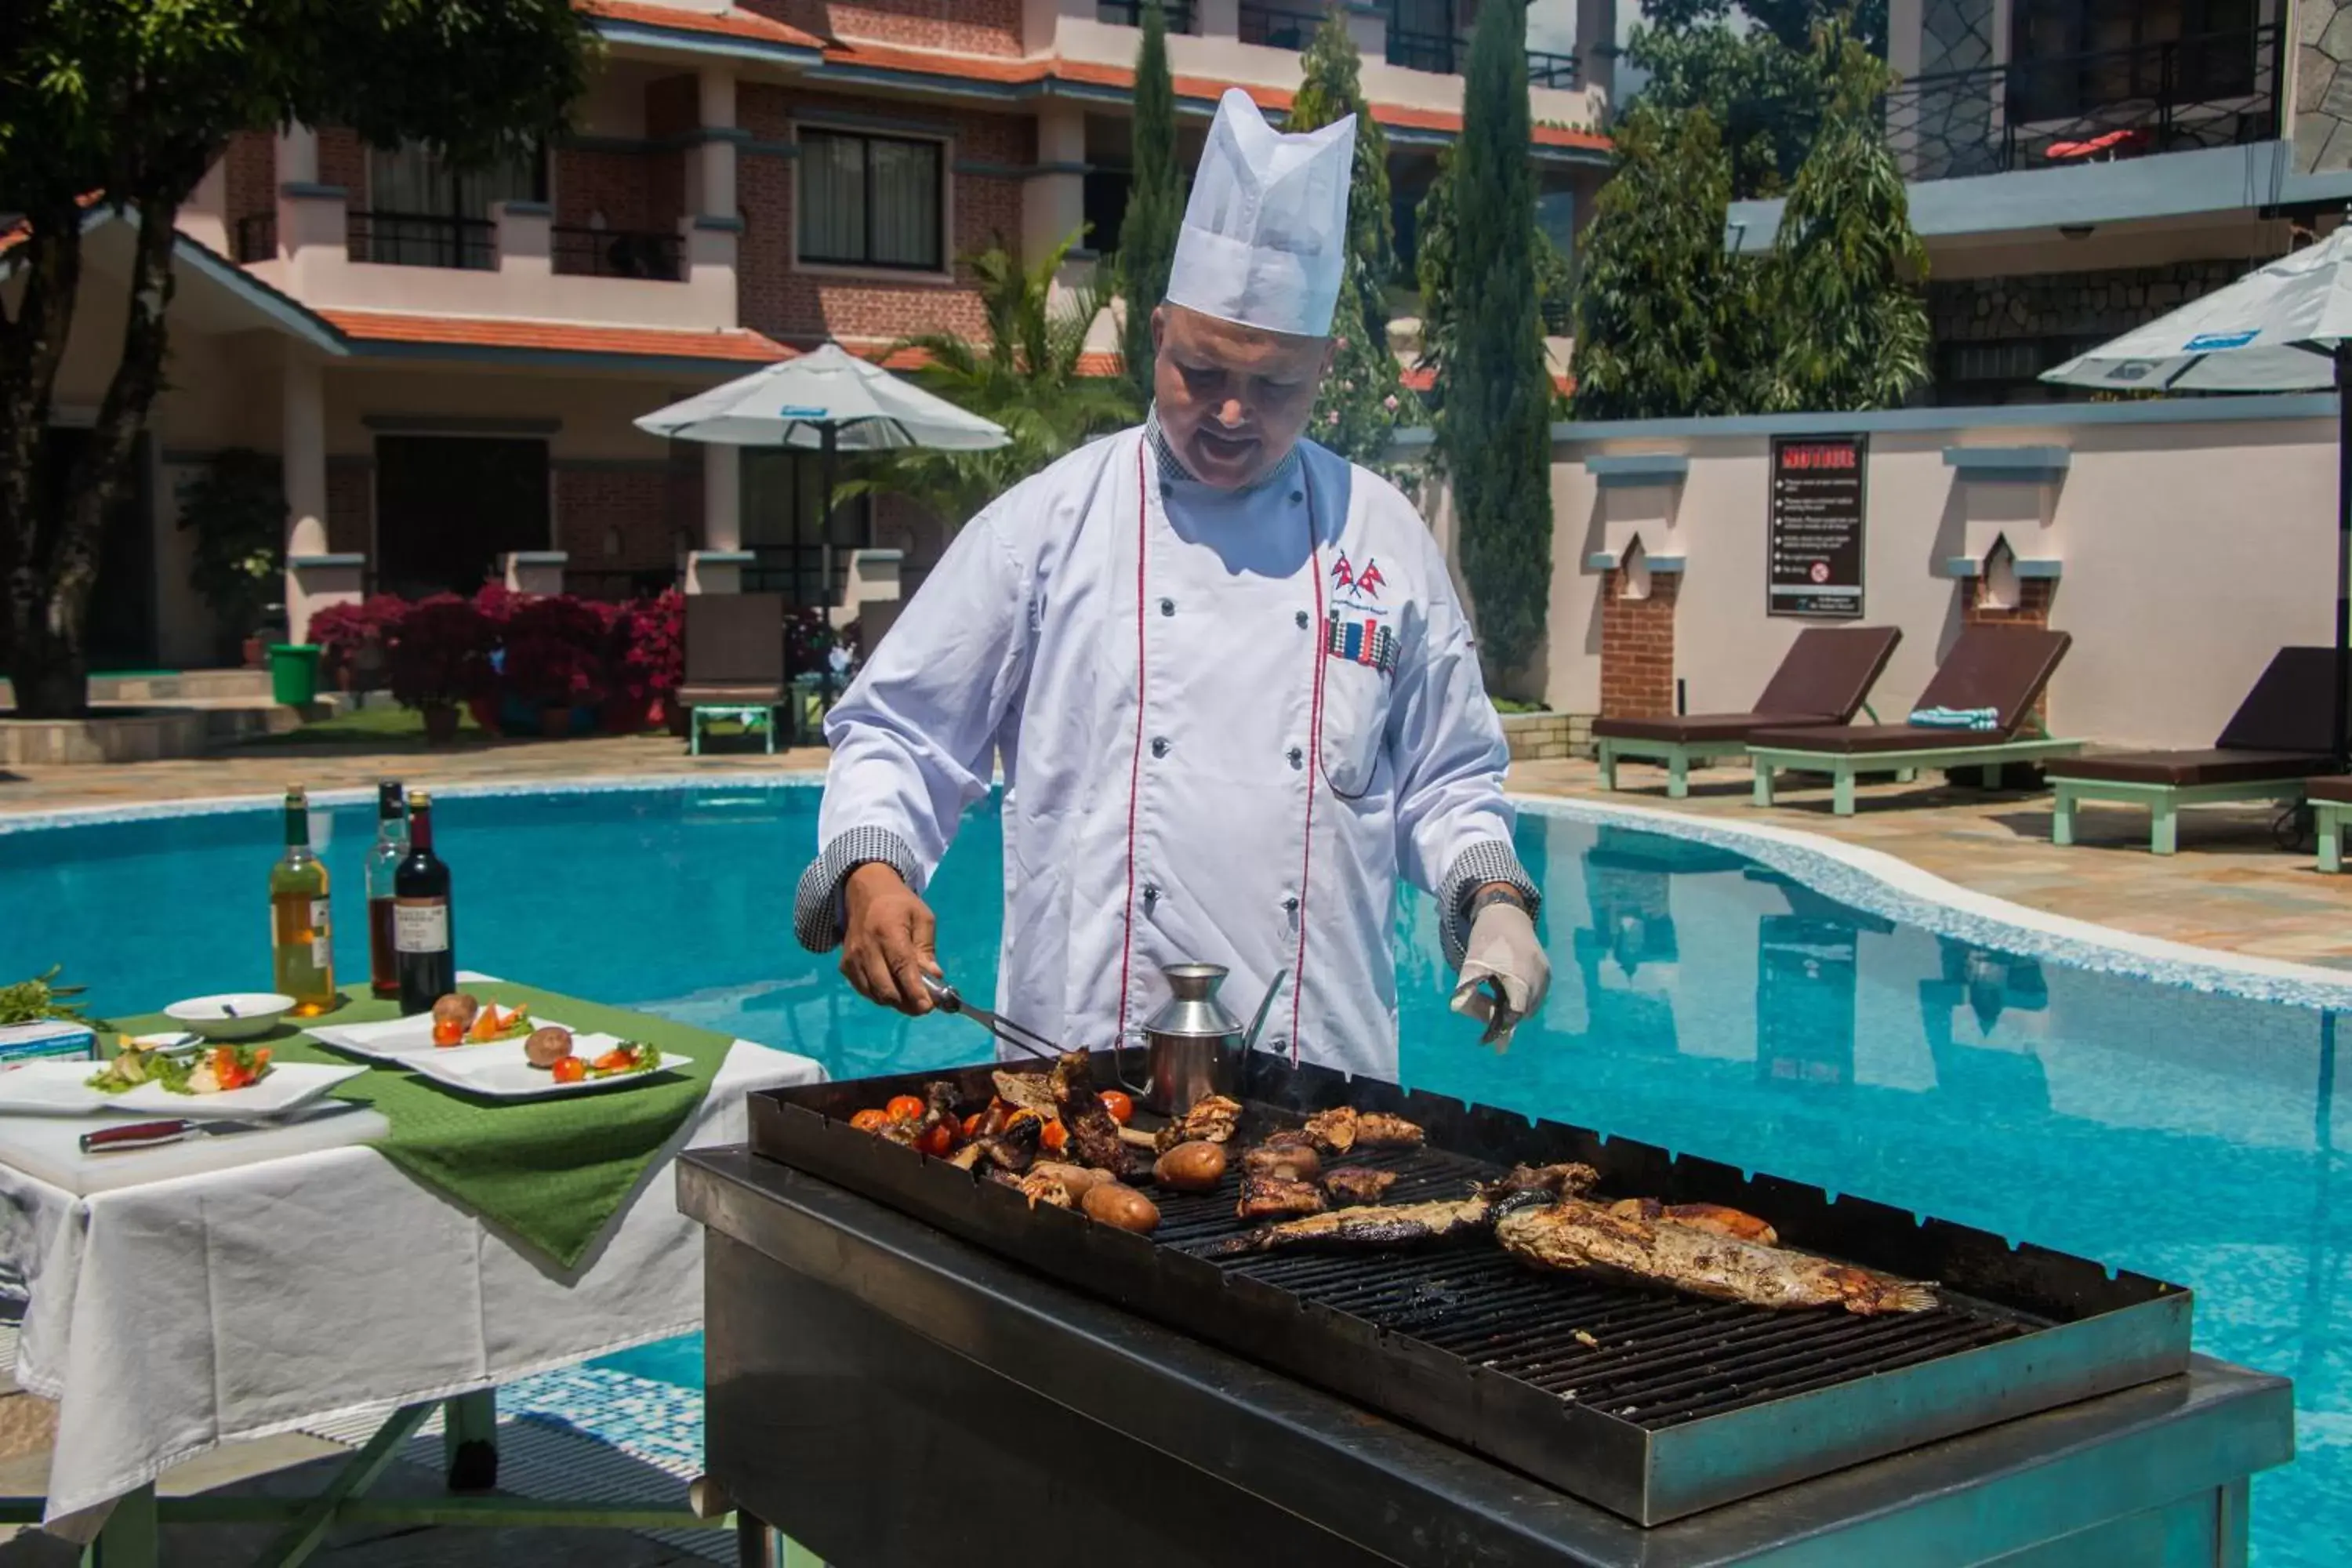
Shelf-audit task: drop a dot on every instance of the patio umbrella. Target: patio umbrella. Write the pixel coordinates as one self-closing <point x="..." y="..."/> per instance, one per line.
<point x="2286" y="327"/>
<point x="828" y="400"/>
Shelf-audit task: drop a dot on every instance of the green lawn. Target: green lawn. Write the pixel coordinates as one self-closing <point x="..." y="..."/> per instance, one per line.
<point x="373" y="729"/>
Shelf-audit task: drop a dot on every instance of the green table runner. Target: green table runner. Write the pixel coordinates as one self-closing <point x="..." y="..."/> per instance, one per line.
<point x="551" y="1172"/>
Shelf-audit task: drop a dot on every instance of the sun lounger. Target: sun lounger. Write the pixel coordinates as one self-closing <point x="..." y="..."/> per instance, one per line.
<point x="2279" y="739"/>
<point x="1823" y="680"/>
<point x="2331" y="804"/>
<point x="734" y="663"/>
<point x="2001" y="668"/>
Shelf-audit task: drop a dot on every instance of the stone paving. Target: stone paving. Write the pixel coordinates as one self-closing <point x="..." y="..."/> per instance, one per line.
<point x="2228" y="888"/>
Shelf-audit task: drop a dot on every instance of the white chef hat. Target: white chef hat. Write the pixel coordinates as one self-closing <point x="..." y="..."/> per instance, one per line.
<point x="1265" y="233"/>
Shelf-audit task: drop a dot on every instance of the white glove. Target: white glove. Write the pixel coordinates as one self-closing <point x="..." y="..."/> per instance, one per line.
<point x="1502" y="956"/>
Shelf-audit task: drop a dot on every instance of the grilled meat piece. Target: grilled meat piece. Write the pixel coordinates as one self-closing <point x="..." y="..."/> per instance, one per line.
<point x="1343" y="1127"/>
<point x="1587" y="1238"/>
<point x="1272" y="1158"/>
<point x="1333" y="1131"/>
<point x="1094" y="1137"/>
<point x="1568" y="1180"/>
<point x="1013" y="1148"/>
<point x="1028" y="1091"/>
<point x="1717" y="1218"/>
<point x="1406" y="1225"/>
<point x="1277" y="1197"/>
<point x="1212" y="1120"/>
<point x="1358" y="1184"/>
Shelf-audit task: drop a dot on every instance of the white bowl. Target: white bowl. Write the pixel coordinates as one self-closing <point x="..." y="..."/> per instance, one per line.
<point x="233" y="1016"/>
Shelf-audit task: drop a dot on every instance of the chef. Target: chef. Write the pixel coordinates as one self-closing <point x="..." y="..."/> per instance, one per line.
<point x="1224" y="672"/>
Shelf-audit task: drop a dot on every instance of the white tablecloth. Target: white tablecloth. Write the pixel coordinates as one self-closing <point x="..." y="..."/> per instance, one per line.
<point x="169" y="1318"/>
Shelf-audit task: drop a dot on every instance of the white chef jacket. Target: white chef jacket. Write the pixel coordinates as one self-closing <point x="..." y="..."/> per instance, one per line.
<point x="1227" y="722"/>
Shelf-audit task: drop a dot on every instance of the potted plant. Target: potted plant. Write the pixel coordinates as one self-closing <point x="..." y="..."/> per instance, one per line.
<point x="552" y="659"/>
<point x="437" y="657"/>
<point x="236" y="510"/>
<point x="353" y="640"/>
<point x="650" y="662"/>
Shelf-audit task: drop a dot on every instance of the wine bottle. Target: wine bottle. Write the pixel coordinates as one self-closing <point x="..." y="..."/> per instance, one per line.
<point x="382" y="862"/>
<point x="424" y="947"/>
<point x="302" y="934"/>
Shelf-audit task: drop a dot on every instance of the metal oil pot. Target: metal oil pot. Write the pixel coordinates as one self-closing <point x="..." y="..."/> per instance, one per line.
<point x="1192" y="1047"/>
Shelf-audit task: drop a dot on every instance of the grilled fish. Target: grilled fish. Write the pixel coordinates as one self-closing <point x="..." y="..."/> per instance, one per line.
<point x="1408" y="1225"/>
<point x="1717" y="1218"/>
<point x="1587" y="1237"/>
<point x="1212" y="1120"/>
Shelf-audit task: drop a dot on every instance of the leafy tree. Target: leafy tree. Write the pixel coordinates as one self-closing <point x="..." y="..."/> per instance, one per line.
<point x="1434" y="272"/>
<point x="1155" y="201"/>
<point x="1363" y="400"/>
<point x="1666" y="321"/>
<point x="1847" y="280"/>
<point x="1025" y="377"/>
<point x="126" y="103"/>
<point x="1494" y="429"/>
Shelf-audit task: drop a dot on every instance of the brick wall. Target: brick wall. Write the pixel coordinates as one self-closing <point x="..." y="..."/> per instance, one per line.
<point x="2032" y="609"/>
<point x="342" y="161"/>
<point x="962" y="27"/>
<point x="250" y="174"/>
<point x="1637" y="647"/>
<point x="350" y="505"/>
<point x="782" y="301"/>
<point x="616" y="518"/>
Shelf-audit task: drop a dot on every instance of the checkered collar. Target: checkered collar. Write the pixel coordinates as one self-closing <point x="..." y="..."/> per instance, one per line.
<point x="1172" y="468"/>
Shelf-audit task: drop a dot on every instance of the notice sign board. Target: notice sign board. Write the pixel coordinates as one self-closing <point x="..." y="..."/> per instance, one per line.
<point x="1815" y="549"/>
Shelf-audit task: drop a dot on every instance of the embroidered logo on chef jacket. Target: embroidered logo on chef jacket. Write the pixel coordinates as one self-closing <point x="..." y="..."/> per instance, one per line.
<point x="1361" y="639"/>
<point x="1354" y="584"/>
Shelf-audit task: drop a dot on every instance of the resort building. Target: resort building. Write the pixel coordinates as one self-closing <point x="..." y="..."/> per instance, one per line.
<point x="447" y="363"/>
<point x="2077" y="167"/>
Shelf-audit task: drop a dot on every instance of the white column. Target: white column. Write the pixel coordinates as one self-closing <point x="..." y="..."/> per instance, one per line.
<point x="715" y="182"/>
<point x="718" y="566"/>
<point x="1219" y="18"/>
<point x="315" y="577"/>
<point x="1053" y="200"/>
<point x="1596" y="42"/>
<point x="525" y="239"/>
<point x="298" y="155"/>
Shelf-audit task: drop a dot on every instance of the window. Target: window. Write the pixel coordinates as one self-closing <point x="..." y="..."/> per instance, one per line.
<point x="424" y="212"/>
<point x="870" y="200"/>
<point x="2071" y="57"/>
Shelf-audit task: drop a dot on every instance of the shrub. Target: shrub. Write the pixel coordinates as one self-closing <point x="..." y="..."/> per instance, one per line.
<point x="355" y="638"/>
<point x="554" y="648"/>
<point x="438" y="651"/>
<point x="651" y="654"/>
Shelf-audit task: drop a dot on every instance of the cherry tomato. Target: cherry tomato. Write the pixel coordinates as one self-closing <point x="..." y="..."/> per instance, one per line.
<point x="567" y="1069"/>
<point x="971" y="1124"/>
<point x="869" y="1120"/>
<point x="936" y="1141"/>
<point x="904" y="1106"/>
<point x="1122" y="1109"/>
<point x="1055" y="1136"/>
<point x="448" y="1033"/>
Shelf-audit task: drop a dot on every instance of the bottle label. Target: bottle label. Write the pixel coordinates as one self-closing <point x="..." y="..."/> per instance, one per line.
<point x="322" y="944"/>
<point x="420" y="925"/>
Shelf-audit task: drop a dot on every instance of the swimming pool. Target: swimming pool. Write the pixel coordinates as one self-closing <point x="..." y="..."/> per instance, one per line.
<point x="1751" y="1001"/>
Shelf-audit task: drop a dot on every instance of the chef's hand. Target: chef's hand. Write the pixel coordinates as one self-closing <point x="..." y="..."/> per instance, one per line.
<point x="887" y="941"/>
<point x="1503" y="957"/>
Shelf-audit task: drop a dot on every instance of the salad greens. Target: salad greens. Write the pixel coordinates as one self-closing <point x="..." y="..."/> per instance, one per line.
<point x="209" y="1070"/>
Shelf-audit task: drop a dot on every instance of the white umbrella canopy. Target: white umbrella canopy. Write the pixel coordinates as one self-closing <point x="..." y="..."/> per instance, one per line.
<point x="2286" y="327"/>
<point x="2275" y="330"/>
<point x="826" y="393"/>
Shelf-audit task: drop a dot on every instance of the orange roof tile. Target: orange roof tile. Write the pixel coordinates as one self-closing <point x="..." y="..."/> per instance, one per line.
<point x="730" y="23"/>
<point x="1090" y="73"/>
<point x="471" y="332"/>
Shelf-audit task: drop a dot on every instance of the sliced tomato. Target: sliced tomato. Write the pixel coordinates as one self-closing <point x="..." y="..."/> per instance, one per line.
<point x="971" y="1124"/>
<point x="1121" y="1108"/>
<point x="907" y="1107"/>
<point x="489" y="1022"/>
<point x="567" y="1069"/>
<point x="937" y="1140"/>
<point x="1055" y="1136"/>
<point x="870" y="1120"/>
<point x="620" y="1058"/>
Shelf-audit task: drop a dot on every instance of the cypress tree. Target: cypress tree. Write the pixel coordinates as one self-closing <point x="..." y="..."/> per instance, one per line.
<point x="1155" y="200"/>
<point x="1496" y="429"/>
<point x="1363" y="399"/>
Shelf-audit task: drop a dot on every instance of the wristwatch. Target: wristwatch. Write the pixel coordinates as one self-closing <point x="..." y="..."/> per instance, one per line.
<point x="1497" y="895"/>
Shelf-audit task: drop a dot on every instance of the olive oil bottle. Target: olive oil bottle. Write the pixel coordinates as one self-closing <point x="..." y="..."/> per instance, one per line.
<point x="301" y="930"/>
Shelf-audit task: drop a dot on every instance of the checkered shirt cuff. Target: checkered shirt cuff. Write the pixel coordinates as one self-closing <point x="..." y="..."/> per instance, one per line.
<point x="817" y="912"/>
<point x="1488" y="860"/>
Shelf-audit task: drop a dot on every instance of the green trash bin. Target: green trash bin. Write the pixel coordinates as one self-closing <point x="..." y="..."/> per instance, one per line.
<point x="293" y="672"/>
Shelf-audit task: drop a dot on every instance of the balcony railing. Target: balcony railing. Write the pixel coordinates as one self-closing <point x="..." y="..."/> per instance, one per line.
<point x="1426" y="51"/>
<point x="1129" y="13"/>
<point x="1546" y="68"/>
<point x="256" y="238"/>
<point x="1278" y="26"/>
<point x="2216" y="89"/>
<point x="423" y="239"/>
<point x="615" y="253"/>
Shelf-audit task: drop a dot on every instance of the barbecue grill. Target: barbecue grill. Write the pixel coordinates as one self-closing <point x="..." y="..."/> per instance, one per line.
<point x="1654" y="1406"/>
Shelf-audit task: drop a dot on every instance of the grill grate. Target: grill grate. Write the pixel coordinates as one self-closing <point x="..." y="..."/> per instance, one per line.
<point x="1651" y="1358"/>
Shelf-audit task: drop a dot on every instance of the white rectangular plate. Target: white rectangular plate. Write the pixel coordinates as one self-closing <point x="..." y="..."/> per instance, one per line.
<point x="289" y="1086"/>
<point x="49" y="1088"/>
<point x="500" y="1072"/>
<point x="397" y="1040"/>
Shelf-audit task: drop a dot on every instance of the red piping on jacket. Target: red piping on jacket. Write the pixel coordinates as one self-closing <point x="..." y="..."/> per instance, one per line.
<point x="1314" y="757"/>
<point x="1135" y="769"/>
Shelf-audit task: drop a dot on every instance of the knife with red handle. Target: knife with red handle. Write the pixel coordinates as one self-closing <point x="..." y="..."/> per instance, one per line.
<point x="154" y="1134"/>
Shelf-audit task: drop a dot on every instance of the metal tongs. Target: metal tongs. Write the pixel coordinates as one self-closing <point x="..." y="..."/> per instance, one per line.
<point x="947" y="999"/>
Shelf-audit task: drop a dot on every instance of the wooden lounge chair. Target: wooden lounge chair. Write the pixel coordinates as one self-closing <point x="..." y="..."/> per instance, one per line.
<point x="734" y="663"/>
<point x="2001" y="668"/>
<point x="1823" y="680"/>
<point x="2331" y="803"/>
<point x="2278" y="740"/>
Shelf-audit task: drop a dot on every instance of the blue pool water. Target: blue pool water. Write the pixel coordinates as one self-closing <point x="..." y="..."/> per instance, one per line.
<point x="1703" y="1001"/>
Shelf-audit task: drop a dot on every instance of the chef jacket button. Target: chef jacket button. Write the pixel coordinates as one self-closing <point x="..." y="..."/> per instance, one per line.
<point x="1298" y="495"/>
<point x="1302" y="620"/>
<point x="1150" y="892"/>
<point x="1167" y="606"/>
<point x="1290" y="904"/>
<point x="1159" y="745"/>
<point x="1297" y="757"/>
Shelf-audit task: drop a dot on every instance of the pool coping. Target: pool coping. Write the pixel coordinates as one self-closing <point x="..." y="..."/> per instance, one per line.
<point x="1869" y="879"/>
